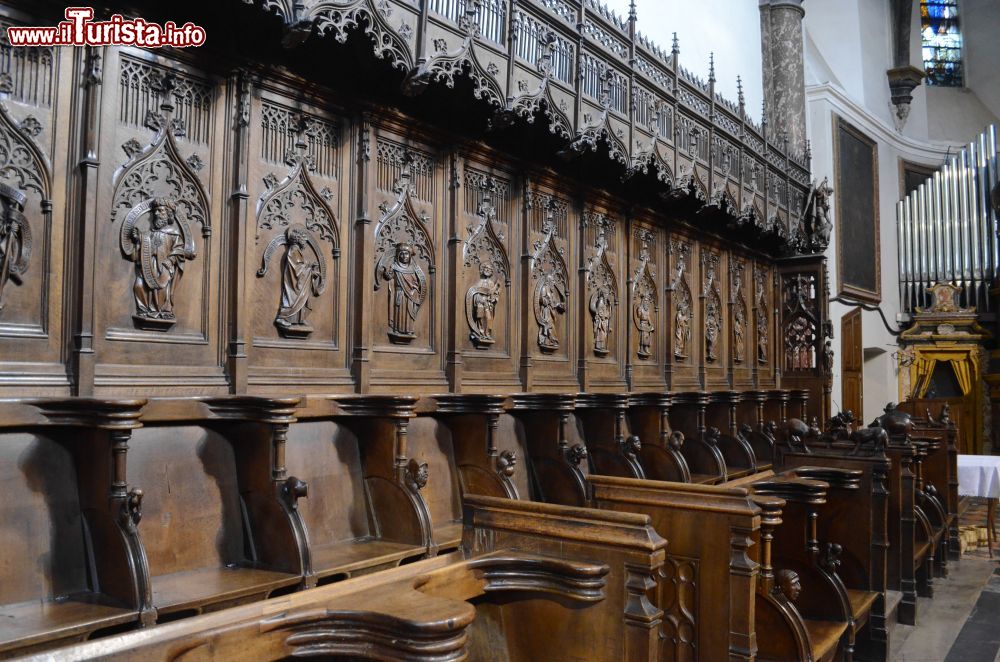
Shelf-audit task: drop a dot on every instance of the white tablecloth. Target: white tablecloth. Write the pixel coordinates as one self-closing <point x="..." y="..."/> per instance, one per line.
<point x="979" y="475"/>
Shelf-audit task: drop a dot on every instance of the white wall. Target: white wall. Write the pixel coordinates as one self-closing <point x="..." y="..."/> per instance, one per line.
<point x="729" y="28"/>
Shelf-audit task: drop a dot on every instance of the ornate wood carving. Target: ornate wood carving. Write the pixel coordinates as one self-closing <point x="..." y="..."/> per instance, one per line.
<point x="680" y="251"/>
<point x="484" y="249"/>
<point x="801" y="325"/>
<point x="157" y="196"/>
<point x="644" y="296"/>
<point x="295" y="205"/>
<point x="338" y="19"/>
<point x="679" y="583"/>
<point x="404" y="254"/>
<point x="737" y="269"/>
<point x="762" y="320"/>
<point x="551" y="277"/>
<point x="601" y="282"/>
<point x="713" y="304"/>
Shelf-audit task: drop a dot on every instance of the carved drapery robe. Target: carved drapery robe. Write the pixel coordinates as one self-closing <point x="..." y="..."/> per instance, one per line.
<point x="407" y="291"/>
<point x="159" y="255"/>
<point x="550" y="302"/>
<point x="601" y="311"/>
<point x="300" y="276"/>
<point x="482" y="300"/>
<point x="644" y="324"/>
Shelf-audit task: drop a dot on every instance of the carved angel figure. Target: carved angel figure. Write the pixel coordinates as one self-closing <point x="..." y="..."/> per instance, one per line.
<point x="303" y="276"/>
<point x="15" y="239"/>
<point x="407" y="292"/>
<point x="643" y="313"/>
<point x="481" y="306"/>
<point x="682" y="329"/>
<point x="600" y="312"/>
<point x="550" y="300"/>
<point x="159" y="253"/>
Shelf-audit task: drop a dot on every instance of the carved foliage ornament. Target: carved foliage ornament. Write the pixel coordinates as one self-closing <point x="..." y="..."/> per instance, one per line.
<point x="404" y="254"/>
<point x="158" y="196"/>
<point x="644" y="303"/>
<point x="294" y="204"/>
<point x="551" y="290"/>
<point x="601" y="283"/>
<point x="484" y="249"/>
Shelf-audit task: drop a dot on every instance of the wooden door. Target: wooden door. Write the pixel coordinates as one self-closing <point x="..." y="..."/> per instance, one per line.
<point x="851" y="363"/>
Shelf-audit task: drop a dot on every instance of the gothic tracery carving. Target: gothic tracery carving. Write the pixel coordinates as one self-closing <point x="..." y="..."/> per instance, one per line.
<point x="158" y="197"/>
<point x="485" y="249"/>
<point x="551" y="289"/>
<point x="761" y="321"/>
<point x="713" y="304"/>
<point x="801" y="327"/>
<point x="602" y="283"/>
<point x="404" y="254"/>
<point x="644" y="306"/>
<point x="681" y="251"/>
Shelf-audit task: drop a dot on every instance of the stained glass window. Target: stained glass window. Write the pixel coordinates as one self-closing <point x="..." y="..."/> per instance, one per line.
<point x="942" y="42"/>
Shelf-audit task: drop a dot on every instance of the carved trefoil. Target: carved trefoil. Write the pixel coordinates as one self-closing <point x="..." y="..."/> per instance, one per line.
<point x="157" y="198"/>
<point x="294" y="206"/>
<point x="404" y="256"/>
<point x="682" y="299"/>
<point x="551" y="282"/>
<point x="484" y="251"/>
<point x="644" y="300"/>
<point x="601" y="283"/>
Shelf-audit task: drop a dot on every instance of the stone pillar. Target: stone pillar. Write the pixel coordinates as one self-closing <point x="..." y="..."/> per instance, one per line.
<point x="784" y="69"/>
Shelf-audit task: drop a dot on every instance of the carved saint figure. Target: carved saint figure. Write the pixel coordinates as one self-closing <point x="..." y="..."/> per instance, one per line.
<point x="15" y="239"/>
<point x="303" y="276"/>
<point x="600" y="311"/>
<point x="481" y="306"/>
<point x="682" y="329"/>
<point x="407" y="292"/>
<point x="159" y="254"/>
<point x="644" y="324"/>
<point x="739" y="335"/>
<point x="761" y="337"/>
<point x="550" y="300"/>
<point x="711" y="329"/>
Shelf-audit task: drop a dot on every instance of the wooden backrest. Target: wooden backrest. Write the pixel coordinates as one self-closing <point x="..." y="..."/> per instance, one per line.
<point x="40" y="520"/>
<point x="661" y="457"/>
<point x="429" y="441"/>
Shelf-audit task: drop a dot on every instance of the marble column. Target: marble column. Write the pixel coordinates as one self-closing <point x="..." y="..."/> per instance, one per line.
<point x="784" y="69"/>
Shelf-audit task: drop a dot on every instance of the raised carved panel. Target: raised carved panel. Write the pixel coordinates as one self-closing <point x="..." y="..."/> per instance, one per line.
<point x="484" y="253"/>
<point x="683" y="301"/>
<point x="713" y="305"/>
<point x="762" y="314"/>
<point x="679" y="593"/>
<point x="139" y="98"/>
<point x="550" y="278"/>
<point x="602" y="285"/>
<point x="645" y="306"/>
<point x="404" y="258"/>
<point x="157" y="200"/>
<point x="800" y="321"/>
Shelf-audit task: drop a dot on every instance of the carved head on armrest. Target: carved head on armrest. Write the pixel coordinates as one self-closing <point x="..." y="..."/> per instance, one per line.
<point x="576" y="454"/>
<point x="712" y="436"/>
<point x="676" y="440"/>
<point x="416" y="475"/>
<point x="789" y="584"/>
<point x="829" y="558"/>
<point x="506" y="462"/>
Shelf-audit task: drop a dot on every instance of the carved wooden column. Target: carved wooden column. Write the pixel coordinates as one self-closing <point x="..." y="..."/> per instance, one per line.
<point x="784" y="68"/>
<point x="363" y="331"/>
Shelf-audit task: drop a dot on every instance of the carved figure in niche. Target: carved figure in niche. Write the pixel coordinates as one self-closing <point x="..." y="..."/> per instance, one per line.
<point x="159" y="253"/>
<point x="481" y="306"/>
<point x="789" y="584"/>
<point x="828" y="357"/>
<point x="761" y="337"/>
<point x="407" y="292"/>
<point x="643" y="313"/>
<point x="816" y="224"/>
<point x="739" y="335"/>
<point x="712" y="324"/>
<point x="682" y="329"/>
<point x="550" y="300"/>
<point x="600" y="310"/>
<point x="303" y="276"/>
<point x="15" y="239"/>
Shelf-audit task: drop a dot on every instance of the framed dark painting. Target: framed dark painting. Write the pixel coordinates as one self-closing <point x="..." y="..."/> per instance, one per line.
<point x="912" y="175"/>
<point x="859" y="271"/>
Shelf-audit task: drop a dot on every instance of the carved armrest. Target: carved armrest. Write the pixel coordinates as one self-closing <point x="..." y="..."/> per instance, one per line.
<point x="836" y="477"/>
<point x="793" y="489"/>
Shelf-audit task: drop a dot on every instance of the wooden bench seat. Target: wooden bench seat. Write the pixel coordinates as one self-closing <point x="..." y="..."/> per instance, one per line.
<point x="360" y="556"/>
<point x="861" y="605"/>
<point x="71" y="619"/>
<point x="704" y="479"/>
<point x="824" y="637"/>
<point x="218" y="587"/>
<point x="448" y="535"/>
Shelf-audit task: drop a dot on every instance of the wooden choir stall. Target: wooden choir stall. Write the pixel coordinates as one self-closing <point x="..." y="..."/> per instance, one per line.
<point x="429" y="331"/>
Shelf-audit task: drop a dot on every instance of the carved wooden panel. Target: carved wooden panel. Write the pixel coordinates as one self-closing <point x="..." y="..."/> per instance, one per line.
<point x="647" y="309"/>
<point x="548" y="289"/>
<point x="741" y="352"/>
<point x="764" y="316"/>
<point x="683" y="285"/>
<point x="602" y="308"/>
<point x="404" y="300"/>
<point x="294" y="265"/>
<point x="155" y="250"/>
<point x="714" y="323"/>
<point x="32" y="170"/>
<point x="487" y="204"/>
<point x="679" y="594"/>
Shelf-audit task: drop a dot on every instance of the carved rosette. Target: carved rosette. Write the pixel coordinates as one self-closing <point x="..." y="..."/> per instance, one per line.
<point x="683" y="301"/>
<point x="404" y="256"/>
<point x="485" y="252"/>
<point x="157" y="198"/>
<point x="551" y="283"/>
<point x="299" y="213"/>
<point x="602" y="285"/>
